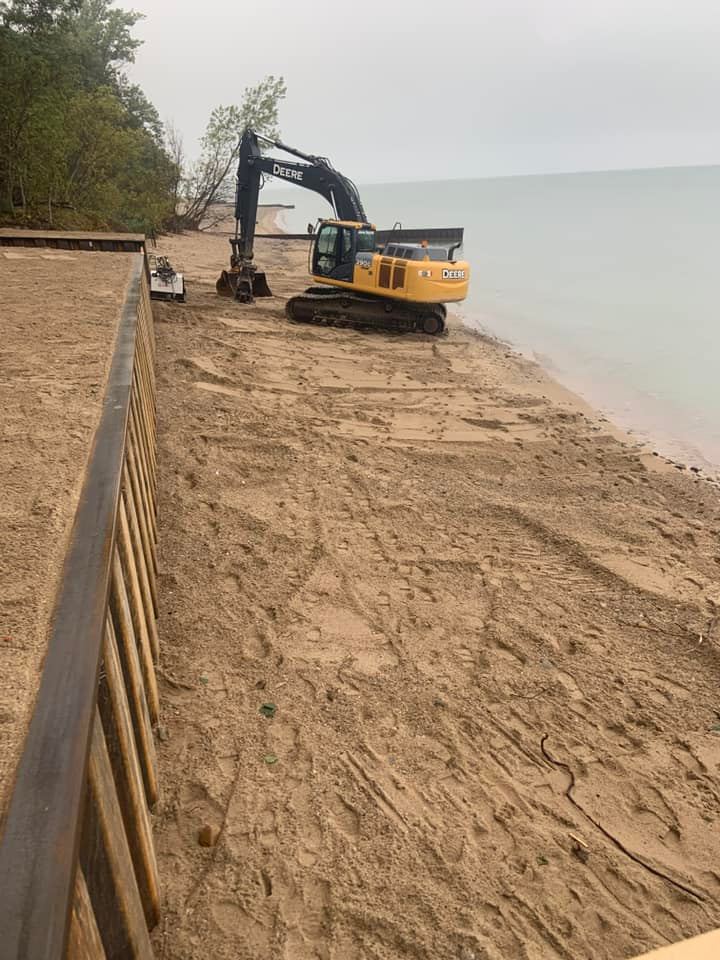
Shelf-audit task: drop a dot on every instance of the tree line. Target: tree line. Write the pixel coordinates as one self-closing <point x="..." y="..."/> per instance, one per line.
<point x="82" y="146"/>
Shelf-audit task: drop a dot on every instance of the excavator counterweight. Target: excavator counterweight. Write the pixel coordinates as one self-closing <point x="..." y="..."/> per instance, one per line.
<point x="401" y="284"/>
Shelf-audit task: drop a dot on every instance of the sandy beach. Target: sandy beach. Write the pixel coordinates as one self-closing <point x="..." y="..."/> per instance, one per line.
<point x="440" y="649"/>
<point x="58" y="335"/>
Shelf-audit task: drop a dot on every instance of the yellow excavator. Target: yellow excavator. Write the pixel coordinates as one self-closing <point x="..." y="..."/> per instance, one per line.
<point x="398" y="279"/>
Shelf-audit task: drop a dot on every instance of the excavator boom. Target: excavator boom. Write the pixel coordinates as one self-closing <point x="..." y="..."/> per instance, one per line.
<point x="314" y="173"/>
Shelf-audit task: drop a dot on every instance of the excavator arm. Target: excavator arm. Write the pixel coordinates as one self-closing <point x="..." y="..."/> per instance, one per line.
<point x="313" y="173"/>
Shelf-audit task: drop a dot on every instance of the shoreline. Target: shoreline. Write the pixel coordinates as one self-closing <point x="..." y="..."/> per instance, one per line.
<point x="682" y="436"/>
<point x="628" y="434"/>
<point x="670" y="447"/>
<point x="650" y="446"/>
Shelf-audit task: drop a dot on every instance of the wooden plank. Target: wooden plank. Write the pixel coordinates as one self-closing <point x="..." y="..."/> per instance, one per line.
<point x="145" y="479"/>
<point x="142" y="502"/>
<point x="61" y="240"/>
<point x="38" y="848"/>
<point x="143" y="375"/>
<point x="146" y="575"/>
<point x="136" y="610"/>
<point x="150" y="387"/>
<point x="106" y="862"/>
<point x="147" y="380"/>
<point x="141" y="393"/>
<point x="149" y="357"/>
<point x="71" y="235"/>
<point x="128" y="650"/>
<point x="120" y="739"/>
<point x="84" y="942"/>
<point x="147" y="402"/>
<point x="145" y="315"/>
<point x="145" y="447"/>
<point x="141" y="408"/>
<point x="140" y="497"/>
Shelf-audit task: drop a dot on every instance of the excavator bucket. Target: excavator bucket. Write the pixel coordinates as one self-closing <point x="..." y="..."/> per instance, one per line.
<point x="224" y="285"/>
<point x="260" y="286"/>
<point x="242" y="286"/>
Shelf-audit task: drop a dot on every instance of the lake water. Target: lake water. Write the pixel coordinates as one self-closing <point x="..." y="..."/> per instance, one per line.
<point x="610" y="280"/>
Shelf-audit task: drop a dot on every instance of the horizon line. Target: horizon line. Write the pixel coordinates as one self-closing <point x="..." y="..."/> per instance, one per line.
<point x="553" y="173"/>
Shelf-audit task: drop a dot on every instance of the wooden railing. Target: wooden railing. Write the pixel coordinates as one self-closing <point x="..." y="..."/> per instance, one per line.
<point x="78" y="876"/>
<point x="67" y="240"/>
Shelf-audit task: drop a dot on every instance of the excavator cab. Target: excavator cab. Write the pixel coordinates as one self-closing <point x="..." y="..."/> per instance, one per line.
<point x="337" y="244"/>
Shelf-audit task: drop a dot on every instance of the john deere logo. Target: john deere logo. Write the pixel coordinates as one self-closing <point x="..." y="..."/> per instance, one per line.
<point x="287" y="172"/>
<point x="453" y="274"/>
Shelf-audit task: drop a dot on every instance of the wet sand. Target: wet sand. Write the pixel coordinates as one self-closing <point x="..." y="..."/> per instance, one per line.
<point x="440" y="651"/>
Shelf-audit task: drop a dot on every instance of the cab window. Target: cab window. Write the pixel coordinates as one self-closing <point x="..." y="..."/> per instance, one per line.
<point x="347" y="245"/>
<point x="326" y="250"/>
<point x="327" y="241"/>
<point x="335" y="252"/>
<point x="365" y="241"/>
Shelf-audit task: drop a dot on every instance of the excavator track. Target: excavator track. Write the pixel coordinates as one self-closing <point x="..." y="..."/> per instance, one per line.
<point x="345" y="308"/>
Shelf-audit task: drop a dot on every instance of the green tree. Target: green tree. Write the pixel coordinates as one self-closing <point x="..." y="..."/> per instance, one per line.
<point x="78" y="141"/>
<point x="209" y="180"/>
<point x="260" y="107"/>
<point x="36" y="16"/>
<point x="101" y="42"/>
<point x="141" y="113"/>
<point x="30" y="64"/>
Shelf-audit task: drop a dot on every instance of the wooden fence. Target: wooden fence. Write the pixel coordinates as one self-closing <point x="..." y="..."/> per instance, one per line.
<point x="78" y="876"/>
<point x="67" y="240"/>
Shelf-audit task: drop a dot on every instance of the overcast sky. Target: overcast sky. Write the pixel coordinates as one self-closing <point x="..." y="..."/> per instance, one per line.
<point x="402" y="90"/>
